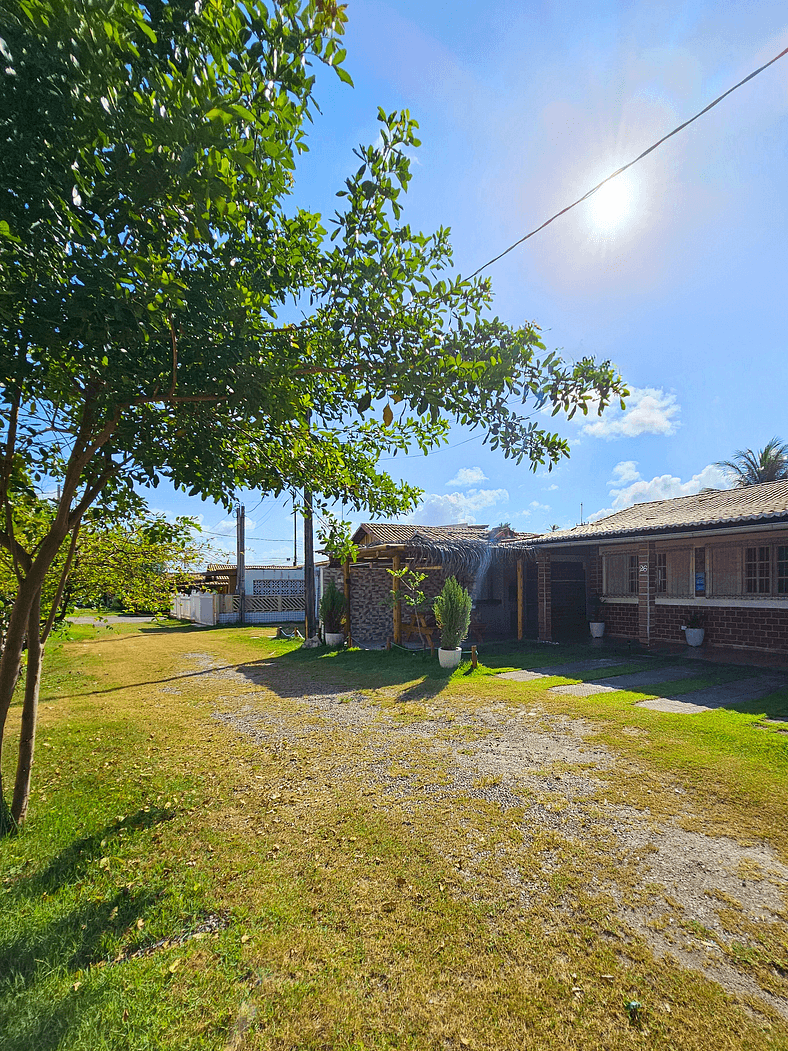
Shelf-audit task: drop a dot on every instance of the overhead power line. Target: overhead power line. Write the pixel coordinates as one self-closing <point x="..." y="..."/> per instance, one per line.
<point x="640" y="157"/>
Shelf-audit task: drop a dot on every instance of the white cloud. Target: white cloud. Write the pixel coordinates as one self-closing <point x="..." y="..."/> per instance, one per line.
<point x="650" y="410"/>
<point x="551" y="488"/>
<point x="539" y="507"/>
<point x="628" y="487"/>
<point x="468" y="476"/>
<point x="445" y="509"/>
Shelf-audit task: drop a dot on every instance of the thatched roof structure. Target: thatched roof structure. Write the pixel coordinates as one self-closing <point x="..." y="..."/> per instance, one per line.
<point x="459" y="549"/>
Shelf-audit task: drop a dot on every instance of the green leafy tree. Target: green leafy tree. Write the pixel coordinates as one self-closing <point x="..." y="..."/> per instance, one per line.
<point x="751" y="467"/>
<point x="151" y="281"/>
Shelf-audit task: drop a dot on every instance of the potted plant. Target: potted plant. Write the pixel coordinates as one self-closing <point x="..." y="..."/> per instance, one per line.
<point x="693" y="629"/>
<point x="332" y="610"/>
<point x="453" y="615"/>
<point x="596" y="616"/>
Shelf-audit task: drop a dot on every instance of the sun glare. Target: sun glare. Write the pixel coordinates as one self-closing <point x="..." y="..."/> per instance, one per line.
<point x="612" y="205"/>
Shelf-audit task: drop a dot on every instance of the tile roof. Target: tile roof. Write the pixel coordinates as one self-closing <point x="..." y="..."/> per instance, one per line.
<point x="397" y="533"/>
<point x="708" y="509"/>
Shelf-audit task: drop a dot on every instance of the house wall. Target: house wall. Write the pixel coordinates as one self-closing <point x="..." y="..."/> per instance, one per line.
<point x="621" y="619"/>
<point x="732" y="617"/>
<point x="757" y="629"/>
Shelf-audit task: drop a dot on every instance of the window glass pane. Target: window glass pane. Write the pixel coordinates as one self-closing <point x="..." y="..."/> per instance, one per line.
<point x="616" y="574"/>
<point x="678" y="565"/>
<point x="757" y="570"/>
<point x="633" y="574"/>
<point x="782" y="570"/>
<point x="726" y="567"/>
<point x="662" y="573"/>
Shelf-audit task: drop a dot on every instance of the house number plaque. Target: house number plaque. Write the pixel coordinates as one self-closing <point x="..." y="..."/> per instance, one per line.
<point x="644" y="567"/>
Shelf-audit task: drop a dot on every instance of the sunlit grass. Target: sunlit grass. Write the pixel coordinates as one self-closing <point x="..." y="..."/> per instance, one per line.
<point x="338" y="915"/>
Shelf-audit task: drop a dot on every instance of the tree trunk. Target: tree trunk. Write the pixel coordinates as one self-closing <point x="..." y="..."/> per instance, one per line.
<point x="28" y="596"/>
<point x="27" y="734"/>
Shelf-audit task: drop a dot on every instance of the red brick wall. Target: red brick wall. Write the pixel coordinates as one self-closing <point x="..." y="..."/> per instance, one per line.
<point x="621" y="619"/>
<point x="762" y="629"/>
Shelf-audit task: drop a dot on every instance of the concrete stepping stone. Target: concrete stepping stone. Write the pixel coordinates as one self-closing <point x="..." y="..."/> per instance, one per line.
<point x="566" y="671"/>
<point x="584" y="689"/>
<point x="673" y="705"/>
<point x="632" y="681"/>
<point x="742" y="691"/>
<point x="523" y="675"/>
<point x="638" y="679"/>
<point x="571" y="669"/>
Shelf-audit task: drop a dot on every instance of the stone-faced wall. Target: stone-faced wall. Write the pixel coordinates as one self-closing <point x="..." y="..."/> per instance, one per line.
<point x="372" y="620"/>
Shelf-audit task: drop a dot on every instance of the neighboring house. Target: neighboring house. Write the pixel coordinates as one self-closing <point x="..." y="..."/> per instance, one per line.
<point x="722" y="554"/>
<point x="483" y="560"/>
<point x="272" y="594"/>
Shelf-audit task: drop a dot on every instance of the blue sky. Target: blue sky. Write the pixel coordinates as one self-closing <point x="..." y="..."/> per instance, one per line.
<point x="678" y="278"/>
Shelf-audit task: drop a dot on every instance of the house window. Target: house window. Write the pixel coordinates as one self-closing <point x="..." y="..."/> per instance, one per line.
<point x="617" y="574"/>
<point x="662" y="573"/>
<point x="633" y="574"/>
<point x="756" y="574"/>
<point x="782" y="570"/>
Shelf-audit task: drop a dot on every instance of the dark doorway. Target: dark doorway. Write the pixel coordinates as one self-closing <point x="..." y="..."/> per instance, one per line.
<point x="568" y="601"/>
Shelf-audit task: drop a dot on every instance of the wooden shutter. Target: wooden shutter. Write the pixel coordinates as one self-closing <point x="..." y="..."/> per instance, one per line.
<point x="616" y="574"/>
<point x="678" y="566"/>
<point x="726" y="571"/>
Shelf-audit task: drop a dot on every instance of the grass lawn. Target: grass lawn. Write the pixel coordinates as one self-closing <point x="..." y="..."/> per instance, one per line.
<point x="234" y="843"/>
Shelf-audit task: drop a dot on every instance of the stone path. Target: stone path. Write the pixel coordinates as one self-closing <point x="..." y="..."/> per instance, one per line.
<point x="726" y="695"/>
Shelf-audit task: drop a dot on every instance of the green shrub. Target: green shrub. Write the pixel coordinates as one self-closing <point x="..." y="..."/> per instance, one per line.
<point x="453" y="614"/>
<point x="332" y="608"/>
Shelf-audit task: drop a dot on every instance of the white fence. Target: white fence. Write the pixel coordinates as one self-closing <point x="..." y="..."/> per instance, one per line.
<point x="261" y="609"/>
<point x="202" y="607"/>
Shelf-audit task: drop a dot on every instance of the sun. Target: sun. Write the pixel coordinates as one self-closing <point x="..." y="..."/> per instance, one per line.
<point x="613" y="205"/>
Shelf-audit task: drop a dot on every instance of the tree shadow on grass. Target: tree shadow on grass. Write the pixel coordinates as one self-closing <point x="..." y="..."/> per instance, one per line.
<point x="45" y="1028"/>
<point x="73" y="862"/>
<point x="297" y="672"/>
<point x="58" y="942"/>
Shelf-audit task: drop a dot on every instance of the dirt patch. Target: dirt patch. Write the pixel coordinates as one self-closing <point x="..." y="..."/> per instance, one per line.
<point x="714" y="905"/>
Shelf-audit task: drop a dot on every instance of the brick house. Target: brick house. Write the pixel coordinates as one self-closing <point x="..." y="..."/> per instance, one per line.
<point x="721" y="553"/>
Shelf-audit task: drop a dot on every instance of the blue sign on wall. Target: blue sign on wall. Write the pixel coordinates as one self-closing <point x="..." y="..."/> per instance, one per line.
<point x="700" y="582"/>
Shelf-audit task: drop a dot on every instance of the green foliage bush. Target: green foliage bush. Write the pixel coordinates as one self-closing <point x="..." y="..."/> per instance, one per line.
<point x="332" y="608"/>
<point x="453" y="614"/>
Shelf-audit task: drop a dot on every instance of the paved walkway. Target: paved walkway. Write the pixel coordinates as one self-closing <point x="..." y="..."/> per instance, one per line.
<point x="742" y="691"/>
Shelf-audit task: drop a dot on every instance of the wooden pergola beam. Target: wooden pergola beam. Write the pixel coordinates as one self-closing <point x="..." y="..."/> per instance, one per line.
<point x="397" y="605"/>
<point x="520" y="590"/>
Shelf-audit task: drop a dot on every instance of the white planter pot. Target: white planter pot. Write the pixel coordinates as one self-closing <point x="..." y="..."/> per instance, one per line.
<point x="597" y="628"/>
<point x="335" y="638"/>
<point x="450" y="658"/>
<point x="694" y="636"/>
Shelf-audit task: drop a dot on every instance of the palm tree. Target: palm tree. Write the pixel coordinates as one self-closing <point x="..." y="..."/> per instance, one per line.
<point x="748" y="467"/>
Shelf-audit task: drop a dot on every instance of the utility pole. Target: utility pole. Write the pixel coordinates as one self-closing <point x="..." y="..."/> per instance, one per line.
<point x="295" y="532"/>
<point x="310" y="620"/>
<point x="240" y="561"/>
